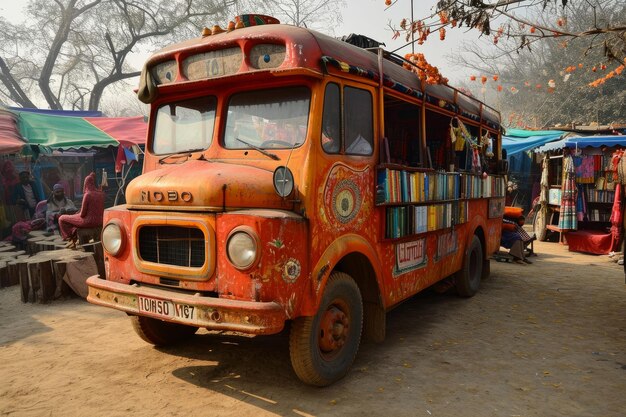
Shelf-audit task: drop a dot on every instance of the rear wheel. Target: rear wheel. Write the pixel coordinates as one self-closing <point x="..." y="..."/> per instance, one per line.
<point x="467" y="280"/>
<point x="159" y="332"/>
<point x="323" y="347"/>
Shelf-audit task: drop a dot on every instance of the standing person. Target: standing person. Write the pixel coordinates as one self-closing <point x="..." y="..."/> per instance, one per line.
<point x="91" y="211"/>
<point x="58" y="204"/>
<point x="26" y="195"/>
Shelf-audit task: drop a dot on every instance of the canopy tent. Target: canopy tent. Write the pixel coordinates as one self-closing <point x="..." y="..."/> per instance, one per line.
<point x="10" y="139"/>
<point x="584" y="142"/>
<point x="595" y="141"/>
<point x="517" y="140"/>
<point x="66" y="132"/>
<point x="126" y="130"/>
<point x="559" y="144"/>
<point x="73" y="113"/>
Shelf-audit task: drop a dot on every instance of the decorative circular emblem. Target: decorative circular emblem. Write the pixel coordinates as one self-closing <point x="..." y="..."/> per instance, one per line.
<point x="346" y="201"/>
<point x="291" y="270"/>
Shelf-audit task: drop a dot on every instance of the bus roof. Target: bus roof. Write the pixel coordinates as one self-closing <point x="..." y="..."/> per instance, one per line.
<point x="305" y="48"/>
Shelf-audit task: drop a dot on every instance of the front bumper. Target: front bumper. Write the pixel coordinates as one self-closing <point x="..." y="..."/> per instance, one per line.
<point x="212" y="313"/>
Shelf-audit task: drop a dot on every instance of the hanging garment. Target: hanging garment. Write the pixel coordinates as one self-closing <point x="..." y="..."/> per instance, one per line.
<point x="567" y="217"/>
<point x="616" y="218"/>
<point x="585" y="169"/>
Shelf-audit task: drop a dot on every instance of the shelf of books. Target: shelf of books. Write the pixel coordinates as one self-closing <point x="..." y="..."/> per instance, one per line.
<point x="395" y="187"/>
<point x="420" y="202"/>
<point x="600" y="196"/>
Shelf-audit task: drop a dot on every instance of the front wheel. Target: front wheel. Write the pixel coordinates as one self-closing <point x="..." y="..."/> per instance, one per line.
<point x="467" y="280"/>
<point x="323" y="347"/>
<point x="159" y="332"/>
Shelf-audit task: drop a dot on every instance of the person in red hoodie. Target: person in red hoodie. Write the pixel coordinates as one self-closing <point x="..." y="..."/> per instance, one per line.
<point x="90" y="214"/>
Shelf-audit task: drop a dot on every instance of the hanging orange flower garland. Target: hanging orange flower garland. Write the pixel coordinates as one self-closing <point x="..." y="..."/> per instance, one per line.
<point x="611" y="74"/>
<point x="424" y="70"/>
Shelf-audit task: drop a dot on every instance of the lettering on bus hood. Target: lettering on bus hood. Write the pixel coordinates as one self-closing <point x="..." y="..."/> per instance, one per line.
<point x="205" y="184"/>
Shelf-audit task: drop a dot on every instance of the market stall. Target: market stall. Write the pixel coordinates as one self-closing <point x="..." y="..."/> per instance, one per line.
<point x="581" y="193"/>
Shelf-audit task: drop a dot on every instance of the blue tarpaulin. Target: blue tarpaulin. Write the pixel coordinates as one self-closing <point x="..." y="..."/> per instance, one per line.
<point x="595" y="141"/>
<point x="584" y="142"/>
<point x="517" y="140"/>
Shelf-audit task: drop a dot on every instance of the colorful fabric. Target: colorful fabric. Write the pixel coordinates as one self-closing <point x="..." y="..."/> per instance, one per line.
<point x="616" y="218"/>
<point x="567" y="217"/>
<point x="585" y="169"/>
<point x="581" y="203"/>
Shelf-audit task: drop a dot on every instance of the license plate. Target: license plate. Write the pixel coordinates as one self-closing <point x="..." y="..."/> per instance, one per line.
<point x="166" y="308"/>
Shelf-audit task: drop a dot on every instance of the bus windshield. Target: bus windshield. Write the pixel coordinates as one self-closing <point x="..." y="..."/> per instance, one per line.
<point x="267" y="119"/>
<point x="184" y="126"/>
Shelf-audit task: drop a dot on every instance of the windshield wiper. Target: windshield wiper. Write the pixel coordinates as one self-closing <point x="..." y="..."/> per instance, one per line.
<point x="180" y="154"/>
<point x="263" y="151"/>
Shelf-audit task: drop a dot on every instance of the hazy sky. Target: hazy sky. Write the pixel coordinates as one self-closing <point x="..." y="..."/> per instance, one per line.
<point x="364" y="17"/>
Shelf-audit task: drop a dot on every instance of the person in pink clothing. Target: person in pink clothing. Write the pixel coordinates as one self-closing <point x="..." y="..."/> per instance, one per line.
<point x="90" y="214"/>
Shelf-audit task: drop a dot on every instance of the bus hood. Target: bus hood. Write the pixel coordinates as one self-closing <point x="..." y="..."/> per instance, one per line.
<point x="205" y="185"/>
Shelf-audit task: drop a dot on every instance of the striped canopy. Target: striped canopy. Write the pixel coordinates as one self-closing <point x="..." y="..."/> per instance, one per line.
<point x="55" y="132"/>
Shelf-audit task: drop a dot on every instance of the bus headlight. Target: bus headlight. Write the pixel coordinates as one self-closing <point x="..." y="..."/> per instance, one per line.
<point x="242" y="248"/>
<point x="112" y="238"/>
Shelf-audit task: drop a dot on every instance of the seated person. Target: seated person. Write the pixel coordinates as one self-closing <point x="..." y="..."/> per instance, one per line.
<point x="512" y="240"/>
<point x="58" y="205"/>
<point x="90" y="215"/>
<point x="526" y="237"/>
<point x="20" y="230"/>
<point x="330" y="138"/>
<point x="26" y="195"/>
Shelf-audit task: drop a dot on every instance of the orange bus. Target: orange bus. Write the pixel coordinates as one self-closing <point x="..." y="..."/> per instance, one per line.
<point x="293" y="177"/>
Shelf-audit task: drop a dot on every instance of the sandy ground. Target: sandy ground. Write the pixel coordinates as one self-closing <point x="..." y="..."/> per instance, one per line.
<point x="547" y="339"/>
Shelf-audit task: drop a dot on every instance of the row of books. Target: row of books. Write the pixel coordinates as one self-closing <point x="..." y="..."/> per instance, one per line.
<point x="597" y="215"/>
<point x="399" y="186"/>
<point x="410" y="220"/>
<point x="600" y="196"/>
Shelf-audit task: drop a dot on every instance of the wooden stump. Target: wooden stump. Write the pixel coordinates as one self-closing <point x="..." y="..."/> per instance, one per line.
<point x="4" y="274"/>
<point x="27" y="291"/>
<point x="6" y="247"/>
<point x="41" y="279"/>
<point x="31" y="244"/>
<point x="13" y="275"/>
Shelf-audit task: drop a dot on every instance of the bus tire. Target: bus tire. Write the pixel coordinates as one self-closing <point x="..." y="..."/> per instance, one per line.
<point x="323" y="347"/>
<point x="161" y="333"/>
<point x="467" y="280"/>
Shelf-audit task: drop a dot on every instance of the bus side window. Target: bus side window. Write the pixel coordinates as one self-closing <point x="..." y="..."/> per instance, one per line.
<point x="331" y="119"/>
<point x="359" y="132"/>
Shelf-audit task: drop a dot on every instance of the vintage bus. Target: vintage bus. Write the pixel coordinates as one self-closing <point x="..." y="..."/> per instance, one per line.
<point x="293" y="177"/>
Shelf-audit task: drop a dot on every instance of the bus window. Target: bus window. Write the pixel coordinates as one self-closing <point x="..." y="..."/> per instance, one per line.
<point x="402" y="130"/>
<point x="268" y="118"/>
<point x="359" y="131"/>
<point x="185" y="125"/>
<point x="331" y="119"/>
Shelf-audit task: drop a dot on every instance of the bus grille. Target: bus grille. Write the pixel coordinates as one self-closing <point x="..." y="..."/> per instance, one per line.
<point x="172" y="245"/>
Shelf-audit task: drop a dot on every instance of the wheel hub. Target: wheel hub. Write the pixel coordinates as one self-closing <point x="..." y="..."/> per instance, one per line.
<point x="333" y="329"/>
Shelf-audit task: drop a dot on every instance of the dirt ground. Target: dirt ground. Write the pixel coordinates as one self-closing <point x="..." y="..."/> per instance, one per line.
<point x="547" y="339"/>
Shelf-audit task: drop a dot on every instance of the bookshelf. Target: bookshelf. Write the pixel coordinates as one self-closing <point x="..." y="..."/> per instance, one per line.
<point x="599" y="206"/>
<point x="419" y="201"/>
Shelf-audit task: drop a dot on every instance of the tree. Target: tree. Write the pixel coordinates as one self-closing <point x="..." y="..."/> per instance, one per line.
<point x="539" y="62"/>
<point x="315" y="14"/>
<point x="520" y="23"/>
<point x="557" y="81"/>
<point x="68" y="52"/>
